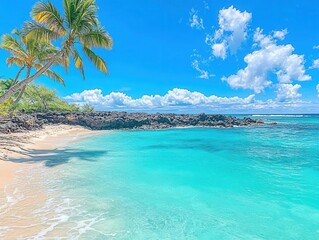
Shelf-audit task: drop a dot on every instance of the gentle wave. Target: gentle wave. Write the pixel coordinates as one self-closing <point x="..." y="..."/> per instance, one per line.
<point x="137" y="173"/>
<point x="279" y="115"/>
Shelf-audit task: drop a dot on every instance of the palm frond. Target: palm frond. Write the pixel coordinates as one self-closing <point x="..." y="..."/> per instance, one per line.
<point x="78" y="62"/>
<point x="39" y="32"/>
<point x="51" y="74"/>
<point x="96" y="60"/>
<point x="45" y="51"/>
<point x="46" y="13"/>
<point x="65" y="61"/>
<point x="96" y="38"/>
<point x="69" y="12"/>
<point x="15" y="60"/>
<point x="12" y="45"/>
<point x="54" y="76"/>
<point x="85" y="15"/>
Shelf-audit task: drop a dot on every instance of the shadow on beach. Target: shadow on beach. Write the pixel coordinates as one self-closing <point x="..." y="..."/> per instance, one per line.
<point x="51" y="158"/>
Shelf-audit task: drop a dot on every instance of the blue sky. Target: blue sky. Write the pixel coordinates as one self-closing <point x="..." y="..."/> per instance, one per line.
<point x="227" y="56"/>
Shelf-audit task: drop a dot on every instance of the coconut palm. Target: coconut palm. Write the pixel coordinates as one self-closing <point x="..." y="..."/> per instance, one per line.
<point x="78" y="26"/>
<point x="27" y="53"/>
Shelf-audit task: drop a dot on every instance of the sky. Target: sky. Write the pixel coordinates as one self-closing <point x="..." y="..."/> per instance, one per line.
<point x="214" y="56"/>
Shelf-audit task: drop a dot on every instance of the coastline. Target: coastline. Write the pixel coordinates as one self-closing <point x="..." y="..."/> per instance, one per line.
<point x="67" y="212"/>
<point x="22" y="188"/>
<point x="122" y="121"/>
<point x="21" y="145"/>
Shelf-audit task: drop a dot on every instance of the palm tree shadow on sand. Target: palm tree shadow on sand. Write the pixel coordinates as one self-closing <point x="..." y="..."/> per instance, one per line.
<point x="50" y="158"/>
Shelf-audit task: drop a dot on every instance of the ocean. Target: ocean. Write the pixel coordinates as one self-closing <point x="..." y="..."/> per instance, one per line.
<point x="193" y="183"/>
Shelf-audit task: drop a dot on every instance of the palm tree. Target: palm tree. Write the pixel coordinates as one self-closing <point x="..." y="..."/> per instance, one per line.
<point x="77" y="27"/>
<point x="27" y="53"/>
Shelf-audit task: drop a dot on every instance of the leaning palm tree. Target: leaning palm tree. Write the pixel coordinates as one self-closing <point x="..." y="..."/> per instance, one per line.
<point x="77" y="27"/>
<point x="28" y="54"/>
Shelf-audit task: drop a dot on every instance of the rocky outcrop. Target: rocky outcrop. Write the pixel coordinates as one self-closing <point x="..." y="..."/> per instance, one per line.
<point x="19" y="123"/>
<point x="121" y="120"/>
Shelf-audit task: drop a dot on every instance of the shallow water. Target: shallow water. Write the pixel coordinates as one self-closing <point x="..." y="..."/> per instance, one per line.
<point x="242" y="183"/>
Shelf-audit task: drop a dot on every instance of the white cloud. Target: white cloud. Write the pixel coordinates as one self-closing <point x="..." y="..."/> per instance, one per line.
<point x="174" y="98"/>
<point x="182" y="100"/>
<point x="197" y="61"/>
<point x="270" y="58"/>
<point x="280" y="34"/>
<point x="318" y="89"/>
<point x="203" y="73"/>
<point x="195" y="21"/>
<point x="316" y="47"/>
<point x="219" y="50"/>
<point x="315" y="64"/>
<point x="232" y="29"/>
<point x="288" y="92"/>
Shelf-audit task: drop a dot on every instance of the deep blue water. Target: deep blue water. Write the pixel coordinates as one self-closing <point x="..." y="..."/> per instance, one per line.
<point x="197" y="183"/>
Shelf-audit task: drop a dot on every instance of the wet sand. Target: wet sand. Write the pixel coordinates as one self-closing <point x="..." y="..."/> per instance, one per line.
<point x="23" y="170"/>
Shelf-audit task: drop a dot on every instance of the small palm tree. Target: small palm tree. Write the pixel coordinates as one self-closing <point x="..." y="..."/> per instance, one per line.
<point x="28" y="53"/>
<point x="77" y="27"/>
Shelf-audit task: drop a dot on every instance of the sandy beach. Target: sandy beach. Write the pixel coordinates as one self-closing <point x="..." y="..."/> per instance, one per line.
<point x="22" y="167"/>
<point x="22" y="145"/>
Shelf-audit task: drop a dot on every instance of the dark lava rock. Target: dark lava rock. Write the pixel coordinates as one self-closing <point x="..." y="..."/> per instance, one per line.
<point x="121" y="120"/>
<point x="19" y="123"/>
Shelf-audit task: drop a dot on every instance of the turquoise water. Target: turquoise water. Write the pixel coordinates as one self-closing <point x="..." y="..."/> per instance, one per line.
<point x="242" y="183"/>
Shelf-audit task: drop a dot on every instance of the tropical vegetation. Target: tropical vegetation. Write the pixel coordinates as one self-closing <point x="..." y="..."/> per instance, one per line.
<point x="37" y="98"/>
<point x="27" y="54"/>
<point x="34" y="49"/>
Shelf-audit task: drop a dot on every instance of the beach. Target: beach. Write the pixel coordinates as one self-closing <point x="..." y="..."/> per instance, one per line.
<point x="22" y="172"/>
<point x="23" y="145"/>
<point x="184" y="183"/>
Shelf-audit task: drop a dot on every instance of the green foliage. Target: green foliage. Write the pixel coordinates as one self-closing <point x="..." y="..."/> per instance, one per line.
<point x="5" y="85"/>
<point x="5" y="107"/>
<point x="40" y="99"/>
<point x="77" y="27"/>
<point x="28" y="53"/>
<point x="87" y="108"/>
<point x="37" y="99"/>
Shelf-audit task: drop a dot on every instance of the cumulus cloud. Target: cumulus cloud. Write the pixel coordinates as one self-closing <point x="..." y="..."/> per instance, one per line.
<point x="269" y="58"/>
<point x="232" y="31"/>
<point x="195" y="21"/>
<point x="316" y="47"/>
<point x="173" y="98"/>
<point x="186" y="101"/>
<point x="219" y="50"/>
<point x="288" y="92"/>
<point x="280" y="34"/>
<point x="315" y="64"/>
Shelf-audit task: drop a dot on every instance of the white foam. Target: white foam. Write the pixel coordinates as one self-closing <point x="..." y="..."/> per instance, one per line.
<point x="278" y="115"/>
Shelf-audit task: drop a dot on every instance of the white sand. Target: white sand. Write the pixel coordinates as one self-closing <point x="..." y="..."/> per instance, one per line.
<point x="22" y="190"/>
<point x="20" y="146"/>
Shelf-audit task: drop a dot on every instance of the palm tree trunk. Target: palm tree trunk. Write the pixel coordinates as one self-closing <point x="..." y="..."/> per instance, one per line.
<point x="18" y="75"/>
<point x="26" y="81"/>
<point x="15" y="103"/>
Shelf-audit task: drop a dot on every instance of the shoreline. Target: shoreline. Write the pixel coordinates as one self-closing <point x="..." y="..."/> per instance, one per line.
<point x="15" y="146"/>
<point x="20" y="145"/>
<point x="23" y="172"/>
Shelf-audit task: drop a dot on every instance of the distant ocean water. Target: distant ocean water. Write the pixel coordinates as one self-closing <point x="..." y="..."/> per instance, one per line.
<point x="195" y="183"/>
